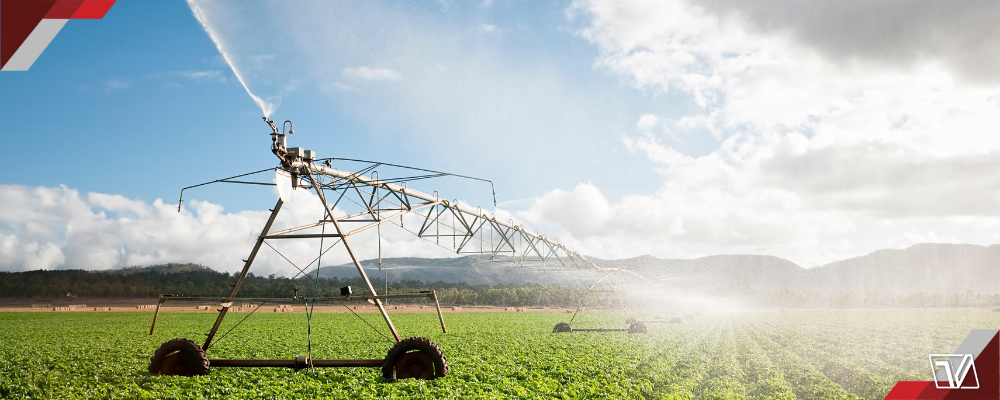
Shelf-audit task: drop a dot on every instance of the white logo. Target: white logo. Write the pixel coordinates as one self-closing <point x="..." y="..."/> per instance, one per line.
<point x="950" y="374"/>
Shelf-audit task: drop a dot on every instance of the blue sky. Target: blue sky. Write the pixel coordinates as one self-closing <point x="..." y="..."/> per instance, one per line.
<point x="141" y="104"/>
<point x="671" y="128"/>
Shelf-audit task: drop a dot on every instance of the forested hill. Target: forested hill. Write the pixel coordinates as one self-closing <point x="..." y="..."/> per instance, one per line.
<point x="132" y="282"/>
<point x="925" y="275"/>
<point x="150" y="282"/>
<point x="197" y="280"/>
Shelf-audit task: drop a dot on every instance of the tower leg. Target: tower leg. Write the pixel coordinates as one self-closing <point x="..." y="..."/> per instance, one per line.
<point x="242" y="277"/>
<point x="347" y="245"/>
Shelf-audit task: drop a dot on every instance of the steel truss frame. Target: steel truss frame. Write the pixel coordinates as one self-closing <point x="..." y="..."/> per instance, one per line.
<point x="383" y="202"/>
<point x="379" y="202"/>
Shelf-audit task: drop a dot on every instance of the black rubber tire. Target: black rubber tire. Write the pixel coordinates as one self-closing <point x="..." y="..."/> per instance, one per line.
<point x="421" y="354"/>
<point x="637" y="327"/>
<point x="179" y="357"/>
<point x="562" y="327"/>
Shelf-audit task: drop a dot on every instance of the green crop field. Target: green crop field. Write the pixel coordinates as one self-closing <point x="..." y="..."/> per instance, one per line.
<point x="810" y="355"/>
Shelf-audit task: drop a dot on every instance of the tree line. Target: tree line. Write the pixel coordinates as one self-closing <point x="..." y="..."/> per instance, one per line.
<point x="196" y="280"/>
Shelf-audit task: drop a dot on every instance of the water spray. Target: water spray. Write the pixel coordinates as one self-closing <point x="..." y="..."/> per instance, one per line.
<point x="202" y="17"/>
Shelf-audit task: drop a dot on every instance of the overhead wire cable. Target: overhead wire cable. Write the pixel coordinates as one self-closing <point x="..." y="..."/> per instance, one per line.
<point x="223" y="180"/>
<point x="271" y="296"/>
<point x="312" y="307"/>
<point x="492" y="187"/>
<point x="302" y="271"/>
<point x="330" y="212"/>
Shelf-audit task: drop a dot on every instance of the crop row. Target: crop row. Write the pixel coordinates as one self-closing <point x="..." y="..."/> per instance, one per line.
<point x="775" y="355"/>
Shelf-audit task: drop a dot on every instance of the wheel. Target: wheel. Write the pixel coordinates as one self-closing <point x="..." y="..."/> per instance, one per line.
<point x="179" y="357"/>
<point x="414" y="357"/>
<point x="562" y="327"/>
<point x="637" y="327"/>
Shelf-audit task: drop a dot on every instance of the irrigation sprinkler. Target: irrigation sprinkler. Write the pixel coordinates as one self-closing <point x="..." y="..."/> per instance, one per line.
<point x="634" y="326"/>
<point x="362" y="203"/>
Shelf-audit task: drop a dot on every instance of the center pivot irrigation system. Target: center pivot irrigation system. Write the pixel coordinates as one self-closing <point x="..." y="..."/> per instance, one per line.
<point x="635" y="326"/>
<point x="359" y="204"/>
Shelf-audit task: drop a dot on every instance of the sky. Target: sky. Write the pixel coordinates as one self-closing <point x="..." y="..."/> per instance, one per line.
<point x="812" y="131"/>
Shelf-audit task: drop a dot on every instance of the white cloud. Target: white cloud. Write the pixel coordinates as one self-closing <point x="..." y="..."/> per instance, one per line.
<point x="964" y="40"/>
<point x="58" y="228"/>
<point x="742" y="76"/>
<point x="487" y="28"/>
<point x="654" y="150"/>
<point x="204" y="76"/>
<point x="647" y="122"/>
<point x="584" y="211"/>
<point x="371" y="74"/>
<point x="822" y="153"/>
<point x="29" y="255"/>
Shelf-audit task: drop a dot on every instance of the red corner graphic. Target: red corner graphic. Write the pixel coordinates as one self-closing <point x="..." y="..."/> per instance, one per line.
<point x="973" y="372"/>
<point x="28" y="26"/>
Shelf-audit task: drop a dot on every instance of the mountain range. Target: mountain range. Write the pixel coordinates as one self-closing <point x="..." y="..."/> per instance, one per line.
<point x="921" y="268"/>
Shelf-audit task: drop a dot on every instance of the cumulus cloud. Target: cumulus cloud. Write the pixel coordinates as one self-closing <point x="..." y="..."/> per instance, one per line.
<point x="887" y="179"/>
<point x="898" y="33"/>
<point x="584" y="211"/>
<point x="647" y="122"/>
<point x="826" y="147"/>
<point x="650" y="146"/>
<point x="60" y="228"/>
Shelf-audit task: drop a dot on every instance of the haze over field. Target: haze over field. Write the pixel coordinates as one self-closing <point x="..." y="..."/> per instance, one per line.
<point x="922" y="268"/>
<point x="922" y="276"/>
<point x="808" y="131"/>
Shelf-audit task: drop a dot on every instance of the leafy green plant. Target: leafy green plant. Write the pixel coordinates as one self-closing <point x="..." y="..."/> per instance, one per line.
<point x="771" y="355"/>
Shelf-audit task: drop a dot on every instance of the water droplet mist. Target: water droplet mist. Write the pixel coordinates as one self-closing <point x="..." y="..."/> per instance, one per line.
<point x="199" y="14"/>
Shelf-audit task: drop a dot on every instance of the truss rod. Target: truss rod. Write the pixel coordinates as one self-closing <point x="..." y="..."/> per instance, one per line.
<point x="356" y="179"/>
